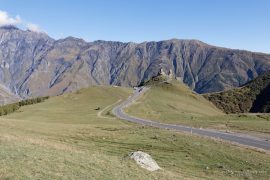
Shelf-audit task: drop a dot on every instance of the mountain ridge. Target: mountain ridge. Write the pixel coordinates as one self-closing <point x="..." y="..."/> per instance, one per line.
<point x="34" y="64"/>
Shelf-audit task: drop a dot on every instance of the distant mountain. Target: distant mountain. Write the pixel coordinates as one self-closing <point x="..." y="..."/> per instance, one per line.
<point x="252" y="97"/>
<point x="33" y="64"/>
<point x="6" y="96"/>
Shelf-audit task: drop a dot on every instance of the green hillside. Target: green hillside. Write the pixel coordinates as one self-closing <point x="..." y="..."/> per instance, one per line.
<point x="74" y="136"/>
<point x="252" y="97"/>
<point x="170" y="101"/>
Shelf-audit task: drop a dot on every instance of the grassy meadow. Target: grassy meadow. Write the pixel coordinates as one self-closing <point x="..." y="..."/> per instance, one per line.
<point x="66" y="138"/>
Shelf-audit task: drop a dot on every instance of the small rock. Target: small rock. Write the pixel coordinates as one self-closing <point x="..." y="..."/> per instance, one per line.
<point x="98" y="108"/>
<point x="155" y="137"/>
<point x="144" y="160"/>
<point x="220" y="166"/>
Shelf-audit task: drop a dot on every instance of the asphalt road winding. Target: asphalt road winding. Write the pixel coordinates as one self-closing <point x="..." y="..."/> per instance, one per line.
<point x="242" y="139"/>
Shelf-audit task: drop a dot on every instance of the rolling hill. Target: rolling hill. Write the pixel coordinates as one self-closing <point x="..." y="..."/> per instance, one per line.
<point x="68" y="137"/>
<point x="173" y="102"/>
<point x="252" y="97"/>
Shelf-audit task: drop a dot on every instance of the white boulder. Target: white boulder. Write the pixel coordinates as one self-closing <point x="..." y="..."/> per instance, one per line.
<point x="144" y="160"/>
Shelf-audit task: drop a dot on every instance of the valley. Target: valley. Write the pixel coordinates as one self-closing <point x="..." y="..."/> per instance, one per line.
<point x="64" y="137"/>
<point x="134" y="90"/>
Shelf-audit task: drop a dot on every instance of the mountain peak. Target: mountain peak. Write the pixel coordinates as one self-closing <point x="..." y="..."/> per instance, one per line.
<point x="9" y="27"/>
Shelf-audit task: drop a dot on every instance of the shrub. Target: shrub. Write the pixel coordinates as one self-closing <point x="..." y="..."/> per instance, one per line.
<point x="9" y="108"/>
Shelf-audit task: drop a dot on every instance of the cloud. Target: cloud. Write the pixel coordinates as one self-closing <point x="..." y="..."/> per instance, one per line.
<point x="5" y="19"/>
<point x="34" y="28"/>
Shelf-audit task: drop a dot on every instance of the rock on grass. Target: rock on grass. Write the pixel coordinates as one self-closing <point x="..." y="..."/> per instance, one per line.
<point x="144" y="160"/>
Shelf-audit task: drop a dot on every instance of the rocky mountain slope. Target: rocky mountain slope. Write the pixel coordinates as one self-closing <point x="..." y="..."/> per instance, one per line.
<point x="33" y="64"/>
<point x="6" y="96"/>
<point x="252" y="97"/>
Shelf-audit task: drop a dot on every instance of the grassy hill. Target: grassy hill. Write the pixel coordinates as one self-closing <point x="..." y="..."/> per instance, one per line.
<point x="173" y="102"/>
<point x="252" y="97"/>
<point x="74" y="136"/>
<point x="167" y="98"/>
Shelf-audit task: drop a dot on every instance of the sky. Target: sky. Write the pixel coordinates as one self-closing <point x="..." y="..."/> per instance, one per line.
<point x="239" y="24"/>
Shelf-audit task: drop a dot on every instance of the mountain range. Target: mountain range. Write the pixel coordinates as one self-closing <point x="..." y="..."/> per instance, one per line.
<point x="34" y="64"/>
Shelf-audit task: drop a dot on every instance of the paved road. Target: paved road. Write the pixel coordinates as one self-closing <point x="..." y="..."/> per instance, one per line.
<point x="238" y="138"/>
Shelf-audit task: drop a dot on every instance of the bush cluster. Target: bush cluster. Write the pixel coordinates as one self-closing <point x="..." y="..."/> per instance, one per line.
<point x="252" y="97"/>
<point x="9" y="108"/>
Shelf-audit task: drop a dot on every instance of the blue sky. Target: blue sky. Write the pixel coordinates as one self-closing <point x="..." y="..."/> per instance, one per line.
<point x="241" y="24"/>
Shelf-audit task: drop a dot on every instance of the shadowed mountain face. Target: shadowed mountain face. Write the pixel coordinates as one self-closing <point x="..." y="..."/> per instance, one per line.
<point x="33" y="64"/>
<point x="252" y="97"/>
